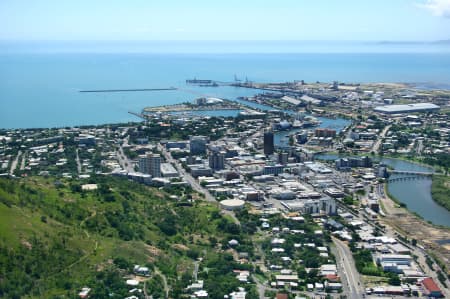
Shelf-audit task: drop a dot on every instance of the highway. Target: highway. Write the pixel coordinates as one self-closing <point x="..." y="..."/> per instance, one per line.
<point x="345" y="262"/>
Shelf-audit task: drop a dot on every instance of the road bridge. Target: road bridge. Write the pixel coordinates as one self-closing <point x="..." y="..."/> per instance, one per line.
<point x="409" y="172"/>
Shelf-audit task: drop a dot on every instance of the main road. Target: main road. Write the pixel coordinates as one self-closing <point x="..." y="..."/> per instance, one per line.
<point x="193" y="182"/>
<point x="345" y="262"/>
<point x="123" y="160"/>
<point x="376" y="145"/>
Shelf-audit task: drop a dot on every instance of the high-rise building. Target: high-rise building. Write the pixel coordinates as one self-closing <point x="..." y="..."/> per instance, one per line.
<point x="216" y="160"/>
<point x="283" y="158"/>
<point x="347" y="163"/>
<point x="197" y="145"/>
<point x="143" y="164"/>
<point x="382" y="171"/>
<point x="150" y="164"/>
<point x="155" y="165"/>
<point x="268" y="143"/>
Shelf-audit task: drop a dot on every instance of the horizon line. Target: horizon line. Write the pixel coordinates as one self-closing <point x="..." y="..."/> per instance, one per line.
<point x="228" y="40"/>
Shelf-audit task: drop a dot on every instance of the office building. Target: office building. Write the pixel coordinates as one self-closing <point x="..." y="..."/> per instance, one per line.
<point x="155" y="165"/>
<point x="150" y="164"/>
<point x="216" y="159"/>
<point x="197" y="145"/>
<point x="348" y="163"/>
<point x="268" y="143"/>
<point x="143" y="164"/>
<point x="168" y="171"/>
<point x="283" y="158"/>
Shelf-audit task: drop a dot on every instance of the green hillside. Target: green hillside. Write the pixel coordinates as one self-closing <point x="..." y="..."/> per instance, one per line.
<point x="56" y="239"/>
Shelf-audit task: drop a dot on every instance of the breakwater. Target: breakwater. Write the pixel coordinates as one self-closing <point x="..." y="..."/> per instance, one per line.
<point x="129" y="90"/>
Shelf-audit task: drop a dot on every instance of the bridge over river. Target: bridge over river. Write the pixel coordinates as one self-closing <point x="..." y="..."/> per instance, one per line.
<point x="409" y="172"/>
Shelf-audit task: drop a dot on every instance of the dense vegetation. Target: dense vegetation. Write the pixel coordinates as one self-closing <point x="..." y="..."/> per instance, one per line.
<point x="365" y="265"/>
<point x="440" y="190"/>
<point x="56" y="238"/>
<point x="441" y="160"/>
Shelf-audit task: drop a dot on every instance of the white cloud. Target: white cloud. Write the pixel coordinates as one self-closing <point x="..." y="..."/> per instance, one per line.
<point x="439" y="8"/>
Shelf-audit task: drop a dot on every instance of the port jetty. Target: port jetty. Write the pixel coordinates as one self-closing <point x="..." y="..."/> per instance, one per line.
<point x="129" y="90"/>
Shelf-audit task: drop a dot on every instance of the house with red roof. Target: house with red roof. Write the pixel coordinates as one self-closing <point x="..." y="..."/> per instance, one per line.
<point x="281" y="296"/>
<point x="431" y="288"/>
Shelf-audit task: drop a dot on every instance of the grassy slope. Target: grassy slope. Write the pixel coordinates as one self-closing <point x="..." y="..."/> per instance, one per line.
<point x="440" y="190"/>
<point x="53" y="241"/>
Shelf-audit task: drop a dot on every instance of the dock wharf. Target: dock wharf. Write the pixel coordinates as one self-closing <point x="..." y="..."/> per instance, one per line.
<point x="129" y="90"/>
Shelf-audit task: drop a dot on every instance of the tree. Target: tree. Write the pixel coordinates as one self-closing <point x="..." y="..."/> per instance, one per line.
<point x="167" y="226"/>
<point x="394" y="279"/>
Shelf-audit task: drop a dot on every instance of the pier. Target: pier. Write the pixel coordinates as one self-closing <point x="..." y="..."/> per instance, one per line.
<point x="129" y="90"/>
<point x="199" y="81"/>
<point x="140" y="115"/>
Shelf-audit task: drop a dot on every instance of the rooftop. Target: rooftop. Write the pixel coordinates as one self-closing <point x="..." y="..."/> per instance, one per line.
<point x="430" y="285"/>
<point x="406" y="108"/>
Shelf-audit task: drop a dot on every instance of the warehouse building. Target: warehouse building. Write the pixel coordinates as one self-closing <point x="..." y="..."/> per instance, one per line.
<point x="407" y="108"/>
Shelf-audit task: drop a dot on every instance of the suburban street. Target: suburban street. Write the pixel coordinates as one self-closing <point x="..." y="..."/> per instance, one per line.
<point x="14" y="163"/>
<point x="78" y="162"/>
<point x="23" y="162"/>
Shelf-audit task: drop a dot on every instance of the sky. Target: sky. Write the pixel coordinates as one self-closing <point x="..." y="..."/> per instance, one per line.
<point x="309" y="20"/>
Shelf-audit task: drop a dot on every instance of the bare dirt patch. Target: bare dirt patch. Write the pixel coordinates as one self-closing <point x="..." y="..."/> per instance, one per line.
<point x="432" y="237"/>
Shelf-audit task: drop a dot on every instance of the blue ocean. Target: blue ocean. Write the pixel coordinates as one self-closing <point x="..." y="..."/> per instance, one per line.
<point x="39" y="85"/>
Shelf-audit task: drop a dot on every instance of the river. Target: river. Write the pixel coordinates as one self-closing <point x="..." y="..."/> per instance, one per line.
<point x="415" y="193"/>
